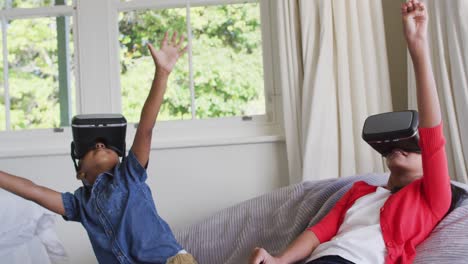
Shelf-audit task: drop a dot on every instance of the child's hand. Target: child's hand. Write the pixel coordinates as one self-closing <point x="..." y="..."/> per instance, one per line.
<point x="415" y="21"/>
<point x="170" y="51"/>
<point x="261" y="256"/>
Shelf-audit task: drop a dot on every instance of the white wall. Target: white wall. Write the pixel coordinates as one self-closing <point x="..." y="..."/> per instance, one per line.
<point x="188" y="184"/>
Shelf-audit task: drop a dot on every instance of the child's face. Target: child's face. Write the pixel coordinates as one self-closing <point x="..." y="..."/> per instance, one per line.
<point x="98" y="160"/>
<point x="402" y="161"/>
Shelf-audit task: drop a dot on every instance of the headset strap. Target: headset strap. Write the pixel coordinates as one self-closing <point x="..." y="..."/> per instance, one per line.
<point x="72" y="153"/>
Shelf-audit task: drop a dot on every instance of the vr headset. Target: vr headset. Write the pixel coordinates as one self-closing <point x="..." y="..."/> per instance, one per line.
<point x="87" y="130"/>
<point x="395" y="130"/>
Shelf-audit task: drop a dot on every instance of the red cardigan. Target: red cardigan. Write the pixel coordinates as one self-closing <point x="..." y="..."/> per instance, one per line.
<point x="409" y="215"/>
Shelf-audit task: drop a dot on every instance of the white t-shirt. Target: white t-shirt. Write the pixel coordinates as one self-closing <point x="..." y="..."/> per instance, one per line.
<point x="359" y="238"/>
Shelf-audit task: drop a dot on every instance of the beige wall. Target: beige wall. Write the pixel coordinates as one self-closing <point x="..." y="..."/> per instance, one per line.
<point x="396" y="47"/>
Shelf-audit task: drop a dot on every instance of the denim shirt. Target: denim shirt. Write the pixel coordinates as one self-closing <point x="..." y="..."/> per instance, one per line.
<point x="119" y="214"/>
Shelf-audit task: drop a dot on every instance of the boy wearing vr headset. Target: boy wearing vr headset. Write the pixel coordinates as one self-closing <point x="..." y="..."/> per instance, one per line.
<point x="371" y="224"/>
<point x="115" y="204"/>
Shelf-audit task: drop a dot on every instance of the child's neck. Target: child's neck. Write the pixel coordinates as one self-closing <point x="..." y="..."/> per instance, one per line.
<point x="398" y="180"/>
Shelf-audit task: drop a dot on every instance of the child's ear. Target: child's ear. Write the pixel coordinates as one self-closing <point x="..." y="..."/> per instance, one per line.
<point x="80" y="175"/>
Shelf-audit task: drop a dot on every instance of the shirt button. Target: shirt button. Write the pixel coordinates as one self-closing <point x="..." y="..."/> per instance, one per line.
<point x="109" y="232"/>
<point x="389" y="244"/>
<point x="381" y="209"/>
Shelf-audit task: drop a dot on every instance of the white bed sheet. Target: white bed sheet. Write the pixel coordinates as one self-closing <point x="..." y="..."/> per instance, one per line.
<point x="27" y="232"/>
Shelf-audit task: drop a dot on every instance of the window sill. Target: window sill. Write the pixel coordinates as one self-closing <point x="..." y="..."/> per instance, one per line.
<point x="36" y="151"/>
<point x="173" y="135"/>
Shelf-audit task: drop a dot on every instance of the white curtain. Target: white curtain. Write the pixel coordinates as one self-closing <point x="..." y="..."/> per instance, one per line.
<point x="334" y="73"/>
<point x="448" y="35"/>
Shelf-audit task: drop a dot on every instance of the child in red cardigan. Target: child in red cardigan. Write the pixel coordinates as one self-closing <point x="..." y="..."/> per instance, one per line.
<point x="373" y="224"/>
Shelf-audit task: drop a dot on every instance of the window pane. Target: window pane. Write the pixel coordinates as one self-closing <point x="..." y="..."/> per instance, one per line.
<point x="34" y="59"/>
<point x="137" y="68"/>
<point x="228" y="65"/>
<point x="32" y="3"/>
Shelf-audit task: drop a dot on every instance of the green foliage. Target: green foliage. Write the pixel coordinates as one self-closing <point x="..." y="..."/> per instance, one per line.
<point x="137" y="29"/>
<point x="33" y="71"/>
<point x="227" y="59"/>
<point x="35" y="3"/>
<point x="33" y="74"/>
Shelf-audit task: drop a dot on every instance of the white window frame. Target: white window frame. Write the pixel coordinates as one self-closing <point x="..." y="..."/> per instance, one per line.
<point x="98" y="65"/>
<point x="18" y="143"/>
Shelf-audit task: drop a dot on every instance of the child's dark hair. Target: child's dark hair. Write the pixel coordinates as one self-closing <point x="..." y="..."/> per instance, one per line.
<point x="458" y="195"/>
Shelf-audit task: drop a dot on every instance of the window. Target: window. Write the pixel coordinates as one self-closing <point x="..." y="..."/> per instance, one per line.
<point x="137" y="68"/>
<point x="36" y="83"/>
<point x="222" y="75"/>
<point x="222" y="92"/>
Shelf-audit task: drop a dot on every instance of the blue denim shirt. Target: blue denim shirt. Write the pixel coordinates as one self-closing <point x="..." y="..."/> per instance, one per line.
<point x="119" y="214"/>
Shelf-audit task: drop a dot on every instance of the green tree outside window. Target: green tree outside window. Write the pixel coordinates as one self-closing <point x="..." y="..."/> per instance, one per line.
<point x="33" y="73"/>
<point x="227" y="61"/>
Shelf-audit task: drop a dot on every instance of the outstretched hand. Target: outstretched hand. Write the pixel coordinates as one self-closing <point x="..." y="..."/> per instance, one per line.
<point x="415" y="20"/>
<point x="261" y="256"/>
<point x="170" y="51"/>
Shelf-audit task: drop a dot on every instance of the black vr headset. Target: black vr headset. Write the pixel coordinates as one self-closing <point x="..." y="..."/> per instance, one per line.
<point x="395" y="130"/>
<point x="87" y="130"/>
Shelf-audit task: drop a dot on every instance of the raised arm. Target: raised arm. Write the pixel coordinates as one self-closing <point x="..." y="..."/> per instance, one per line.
<point x="415" y="21"/>
<point x="436" y="180"/>
<point x="165" y="60"/>
<point x="43" y="196"/>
